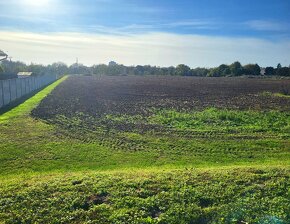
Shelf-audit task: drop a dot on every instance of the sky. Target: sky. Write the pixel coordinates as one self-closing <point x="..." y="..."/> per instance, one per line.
<point x="199" y="33"/>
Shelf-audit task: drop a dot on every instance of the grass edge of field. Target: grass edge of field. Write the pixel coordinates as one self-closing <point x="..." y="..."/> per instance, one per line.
<point x="26" y="107"/>
<point x="132" y="171"/>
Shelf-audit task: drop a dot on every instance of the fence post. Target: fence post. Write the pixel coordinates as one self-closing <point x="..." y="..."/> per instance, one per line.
<point x="13" y="91"/>
<point x="6" y="92"/>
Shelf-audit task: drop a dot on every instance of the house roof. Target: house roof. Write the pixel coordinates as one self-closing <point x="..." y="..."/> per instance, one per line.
<point x="24" y="73"/>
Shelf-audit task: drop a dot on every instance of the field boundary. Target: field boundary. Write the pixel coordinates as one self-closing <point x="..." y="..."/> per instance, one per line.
<point x="12" y="90"/>
<point x="26" y="107"/>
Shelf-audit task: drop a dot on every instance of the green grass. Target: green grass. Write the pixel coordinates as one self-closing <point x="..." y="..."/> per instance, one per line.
<point x="176" y="196"/>
<point x="227" y="121"/>
<point x="211" y="166"/>
<point x="275" y="94"/>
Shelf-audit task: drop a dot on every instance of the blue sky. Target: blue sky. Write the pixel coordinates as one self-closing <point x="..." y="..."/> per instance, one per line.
<point x="172" y="23"/>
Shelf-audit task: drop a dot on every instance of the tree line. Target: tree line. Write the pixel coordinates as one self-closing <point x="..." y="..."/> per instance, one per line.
<point x="9" y="69"/>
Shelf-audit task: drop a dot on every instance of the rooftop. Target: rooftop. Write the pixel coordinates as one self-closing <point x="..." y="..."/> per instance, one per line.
<point x="24" y="73"/>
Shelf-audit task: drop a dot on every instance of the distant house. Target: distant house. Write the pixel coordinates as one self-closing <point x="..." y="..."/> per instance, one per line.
<point x="263" y="71"/>
<point x="24" y="74"/>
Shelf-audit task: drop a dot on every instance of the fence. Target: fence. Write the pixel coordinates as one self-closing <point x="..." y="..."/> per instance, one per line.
<point x="14" y="89"/>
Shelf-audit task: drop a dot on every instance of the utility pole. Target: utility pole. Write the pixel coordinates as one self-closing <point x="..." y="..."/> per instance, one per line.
<point x="77" y="66"/>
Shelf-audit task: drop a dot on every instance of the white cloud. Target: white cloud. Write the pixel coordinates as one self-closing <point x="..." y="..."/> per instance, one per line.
<point x="263" y="25"/>
<point x="197" y="24"/>
<point x="163" y="49"/>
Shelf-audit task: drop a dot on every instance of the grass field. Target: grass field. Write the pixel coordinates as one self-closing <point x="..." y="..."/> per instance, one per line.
<point x="107" y="151"/>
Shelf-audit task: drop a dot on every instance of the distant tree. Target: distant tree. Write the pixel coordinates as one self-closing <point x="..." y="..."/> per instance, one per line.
<point x="112" y="63"/>
<point x="163" y="71"/>
<point x="252" y="69"/>
<point x="59" y="68"/>
<point x="236" y="68"/>
<point x="13" y="67"/>
<point x="200" y="71"/>
<point x="116" y="69"/>
<point x="269" y="71"/>
<point x="224" y="70"/>
<point x="8" y="70"/>
<point x="169" y="71"/>
<point x="139" y="70"/>
<point x="130" y="70"/>
<point x="283" y="71"/>
<point x="149" y="70"/>
<point x="214" y="72"/>
<point x="183" y="70"/>
<point x="37" y="69"/>
<point x="100" y="69"/>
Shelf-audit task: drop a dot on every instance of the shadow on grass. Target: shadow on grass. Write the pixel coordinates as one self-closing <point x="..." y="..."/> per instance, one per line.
<point x="21" y="100"/>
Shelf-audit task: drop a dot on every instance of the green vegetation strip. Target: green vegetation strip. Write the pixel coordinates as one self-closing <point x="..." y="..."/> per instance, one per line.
<point x="178" y="196"/>
<point x="275" y="94"/>
<point x="26" y="107"/>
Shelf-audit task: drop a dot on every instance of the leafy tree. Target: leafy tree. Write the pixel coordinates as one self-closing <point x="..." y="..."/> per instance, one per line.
<point x="214" y="72"/>
<point x="166" y="71"/>
<point x="183" y="70"/>
<point x="139" y="70"/>
<point x="236" y="68"/>
<point x="283" y="71"/>
<point x="252" y="69"/>
<point x="269" y="71"/>
<point x="171" y="70"/>
<point x="36" y="69"/>
<point x="59" y="68"/>
<point x="200" y="71"/>
<point x="116" y="69"/>
<point x="13" y="67"/>
<point x="112" y="63"/>
<point x="100" y="69"/>
<point x="224" y="70"/>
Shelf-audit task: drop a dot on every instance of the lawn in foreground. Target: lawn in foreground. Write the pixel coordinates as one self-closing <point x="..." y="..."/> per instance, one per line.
<point x="50" y="175"/>
<point x="239" y="195"/>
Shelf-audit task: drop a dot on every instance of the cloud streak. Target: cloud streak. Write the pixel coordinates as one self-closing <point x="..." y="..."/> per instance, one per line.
<point x="155" y="48"/>
<point x="195" y="24"/>
<point x="263" y="25"/>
